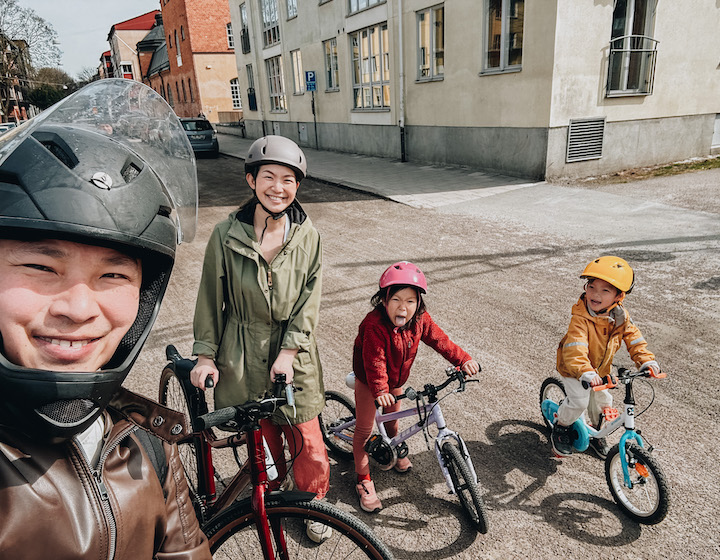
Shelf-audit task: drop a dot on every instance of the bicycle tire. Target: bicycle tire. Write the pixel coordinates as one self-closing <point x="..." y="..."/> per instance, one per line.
<point x="465" y="487"/>
<point x="338" y="410"/>
<point x="649" y="499"/>
<point x="233" y="534"/>
<point x="173" y="395"/>
<point x="552" y="389"/>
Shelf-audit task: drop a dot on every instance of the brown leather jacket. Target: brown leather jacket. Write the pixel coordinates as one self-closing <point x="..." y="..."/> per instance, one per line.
<point x="53" y="504"/>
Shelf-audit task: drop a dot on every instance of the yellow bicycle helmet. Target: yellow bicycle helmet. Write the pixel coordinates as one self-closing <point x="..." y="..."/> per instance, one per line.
<point x="614" y="270"/>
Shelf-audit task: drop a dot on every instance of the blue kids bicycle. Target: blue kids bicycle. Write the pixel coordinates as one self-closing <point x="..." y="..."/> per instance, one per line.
<point x="338" y="425"/>
<point x="634" y="477"/>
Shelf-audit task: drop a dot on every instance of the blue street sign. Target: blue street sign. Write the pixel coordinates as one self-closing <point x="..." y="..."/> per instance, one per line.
<point x="310" y="84"/>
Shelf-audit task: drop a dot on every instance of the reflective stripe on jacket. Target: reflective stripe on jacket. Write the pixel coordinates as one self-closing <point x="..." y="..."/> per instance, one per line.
<point x="591" y="341"/>
<point x="56" y="505"/>
<point x="248" y="310"/>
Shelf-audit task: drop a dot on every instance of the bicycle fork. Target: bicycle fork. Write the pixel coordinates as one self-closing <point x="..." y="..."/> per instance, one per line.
<point x="629" y="435"/>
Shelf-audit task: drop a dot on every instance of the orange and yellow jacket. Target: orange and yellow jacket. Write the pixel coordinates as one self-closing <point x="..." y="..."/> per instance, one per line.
<point x="592" y="341"/>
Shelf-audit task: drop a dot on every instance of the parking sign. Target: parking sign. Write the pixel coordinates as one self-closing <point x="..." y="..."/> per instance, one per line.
<point x="310" y="80"/>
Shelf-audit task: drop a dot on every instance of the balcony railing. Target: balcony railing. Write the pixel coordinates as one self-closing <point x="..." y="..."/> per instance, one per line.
<point x="631" y="65"/>
<point x="245" y="41"/>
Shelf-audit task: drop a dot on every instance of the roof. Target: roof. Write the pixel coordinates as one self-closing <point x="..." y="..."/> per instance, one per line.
<point x="145" y="21"/>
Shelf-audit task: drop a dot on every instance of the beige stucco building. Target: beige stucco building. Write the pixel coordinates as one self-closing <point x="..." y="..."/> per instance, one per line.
<point x="537" y="89"/>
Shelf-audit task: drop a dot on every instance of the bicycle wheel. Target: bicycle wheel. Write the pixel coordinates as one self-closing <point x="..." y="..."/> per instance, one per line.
<point x="465" y="487"/>
<point x="648" y="500"/>
<point x="338" y="410"/>
<point x="233" y="534"/>
<point x="172" y="395"/>
<point x="552" y="389"/>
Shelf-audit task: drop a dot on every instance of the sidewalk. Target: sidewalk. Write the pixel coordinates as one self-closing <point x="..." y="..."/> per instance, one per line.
<point x="419" y="186"/>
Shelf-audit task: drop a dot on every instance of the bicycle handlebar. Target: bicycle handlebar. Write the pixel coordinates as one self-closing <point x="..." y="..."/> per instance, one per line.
<point x="454" y="374"/>
<point x="242" y="414"/>
<point x="624" y="374"/>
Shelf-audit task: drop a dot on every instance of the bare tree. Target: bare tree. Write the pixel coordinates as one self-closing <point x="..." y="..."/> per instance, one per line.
<point x="26" y="41"/>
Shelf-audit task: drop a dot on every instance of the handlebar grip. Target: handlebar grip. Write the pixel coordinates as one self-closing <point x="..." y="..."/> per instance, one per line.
<point x="209" y="382"/>
<point x="608" y="383"/>
<point x="661" y="375"/>
<point x="215" y="418"/>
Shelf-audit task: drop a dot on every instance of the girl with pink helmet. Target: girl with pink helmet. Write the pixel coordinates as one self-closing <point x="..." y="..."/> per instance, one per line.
<point x="385" y="348"/>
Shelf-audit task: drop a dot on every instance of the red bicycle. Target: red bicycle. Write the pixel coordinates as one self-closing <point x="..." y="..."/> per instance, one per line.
<point x="266" y="524"/>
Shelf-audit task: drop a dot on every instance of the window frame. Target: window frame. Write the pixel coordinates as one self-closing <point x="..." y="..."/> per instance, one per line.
<point x="230" y="35"/>
<point x="270" y="18"/>
<point x="432" y="65"/>
<point x="508" y="11"/>
<point x="355" y="6"/>
<point x="332" y="72"/>
<point x="292" y="9"/>
<point x="235" y="94"/>
<point x="276" y="84"/>
<point x="297" y="72"/>
<point x="361" y="66"/>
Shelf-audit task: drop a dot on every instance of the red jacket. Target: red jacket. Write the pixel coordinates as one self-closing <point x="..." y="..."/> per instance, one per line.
<point x="383" y="354"/>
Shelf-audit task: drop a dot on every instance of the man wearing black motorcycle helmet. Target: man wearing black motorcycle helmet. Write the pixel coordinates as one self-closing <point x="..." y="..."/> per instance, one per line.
<point x="88" y="231"/>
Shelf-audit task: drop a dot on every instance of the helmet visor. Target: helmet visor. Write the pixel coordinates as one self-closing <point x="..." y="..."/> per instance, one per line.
<point x="134" y="115"/>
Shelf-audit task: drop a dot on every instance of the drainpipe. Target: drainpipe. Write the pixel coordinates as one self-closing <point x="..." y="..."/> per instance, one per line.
<point x="401" y="66"/>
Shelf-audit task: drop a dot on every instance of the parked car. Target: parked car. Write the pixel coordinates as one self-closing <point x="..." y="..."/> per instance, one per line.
<point x="202" y="136"/>
<point x="4" y="127"/>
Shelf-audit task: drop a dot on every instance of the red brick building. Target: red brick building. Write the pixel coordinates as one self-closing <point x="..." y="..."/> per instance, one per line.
<point x="201" y="75"/>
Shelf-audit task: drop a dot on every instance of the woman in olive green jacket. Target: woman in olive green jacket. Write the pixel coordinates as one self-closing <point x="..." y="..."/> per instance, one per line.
<point x="258" y="305"/>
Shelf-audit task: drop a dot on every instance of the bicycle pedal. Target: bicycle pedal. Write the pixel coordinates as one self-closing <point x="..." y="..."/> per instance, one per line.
<point x="610" y="413"/>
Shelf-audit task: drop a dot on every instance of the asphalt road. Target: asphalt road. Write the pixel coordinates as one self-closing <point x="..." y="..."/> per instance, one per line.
<point x="503" y="275"/>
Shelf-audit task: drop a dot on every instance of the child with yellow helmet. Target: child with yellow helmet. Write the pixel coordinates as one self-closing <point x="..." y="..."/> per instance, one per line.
<point x="598" y="326"/>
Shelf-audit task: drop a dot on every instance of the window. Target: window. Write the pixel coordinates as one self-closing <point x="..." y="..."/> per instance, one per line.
<point x="170" y="100"/>
<point x="275" y="81"/>
<point x="184" y="93"/>
<point x="291" y="8"/>
<point x="182" y="33"/>
<point x="250" y="76"/>
<point x="235" y="93"/>
<point x="177" y="89"/>
<point x="190" y="90"/>
<point x="503" y="35"/>
<point x="244" y="32"/>
<point x="371" y="67"/>
<point x="631" y="65"/>
<point x="169" y="41"/>
<point x="331" y="65"/>
<point x="126" y="70"/>
<point x="431" y="43"/>
<point x="230" y="37"/>
<point x="271" y="27"/>
<point x="297" y="70"/>
<point x="179" y="55"/>
<point x="357" y="5"/>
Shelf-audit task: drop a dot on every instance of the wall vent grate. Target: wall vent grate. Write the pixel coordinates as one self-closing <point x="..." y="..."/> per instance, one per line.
<point x="585" y="139"/>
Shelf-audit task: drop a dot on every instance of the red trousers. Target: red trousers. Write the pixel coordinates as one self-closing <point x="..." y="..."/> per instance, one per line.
<point x="365" y="420"/>
<point x="311" y="467"/>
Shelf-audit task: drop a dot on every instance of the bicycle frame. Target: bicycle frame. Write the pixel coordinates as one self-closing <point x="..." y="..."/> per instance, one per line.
<point x="434" y="416"/>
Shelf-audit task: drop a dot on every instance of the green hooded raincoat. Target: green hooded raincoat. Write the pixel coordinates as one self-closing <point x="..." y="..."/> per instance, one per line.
<point x="248" y="310"/>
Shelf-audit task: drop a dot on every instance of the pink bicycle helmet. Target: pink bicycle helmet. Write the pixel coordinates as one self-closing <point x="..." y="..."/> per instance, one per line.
<point x="404" y="273"/>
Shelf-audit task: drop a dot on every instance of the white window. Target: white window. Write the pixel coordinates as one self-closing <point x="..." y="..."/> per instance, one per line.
<point x="502" y="48"/>
<point x="235" y="93"/>
<point x="332" y="81"/>
<point x="230" y="36"/>
<point x="179" y="54"/>
<point x="291" y="8"/>
<point x="271" y="26"/>
<point x="357" y="5"/>
<point x="631" y="64"/>
<point x="297" y="70"/>
<point x="431" y="43"/>
<point x="275" y="82"/>
<point x="371" y="67"/>
<point x="126" y="69"/>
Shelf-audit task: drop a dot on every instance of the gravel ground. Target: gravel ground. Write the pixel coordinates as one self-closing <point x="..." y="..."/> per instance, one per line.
<point x="503" y="276"/>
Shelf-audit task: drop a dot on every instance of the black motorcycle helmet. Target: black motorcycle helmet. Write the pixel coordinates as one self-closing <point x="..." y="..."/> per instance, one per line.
<point x="75" y="182"/>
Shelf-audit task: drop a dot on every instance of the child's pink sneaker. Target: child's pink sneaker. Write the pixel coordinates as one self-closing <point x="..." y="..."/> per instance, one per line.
<point x="369" y="501"/>
<point x="403" y="465"/>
